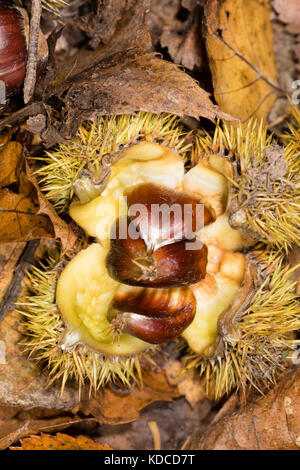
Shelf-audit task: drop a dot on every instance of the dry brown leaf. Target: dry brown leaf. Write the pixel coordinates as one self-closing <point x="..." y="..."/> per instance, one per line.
<point x="123" y="406"/>
<point x="22" y="381"/>
<point x="184" y="49"/>
<point x="271" y="422"/>
<point x="131" y="81"/>
<point x="26" y="214"/>
<point x="101" y="27"/>
<point x="60" y="442"/>
<point x="122" y="78"/>
<point x="19" y="218"/>
<point x="182" y="37"/>
<point x="62" y="230"/>
<point x="289" y="12"/>
<point x="239" y="43"/>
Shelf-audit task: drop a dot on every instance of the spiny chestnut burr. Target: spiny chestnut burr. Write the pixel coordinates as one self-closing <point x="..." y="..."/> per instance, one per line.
<point x="13" y="49"/>
<point x="173" y="265"/>
<point x="152" y="315"/>
<point x="92" y="307"/>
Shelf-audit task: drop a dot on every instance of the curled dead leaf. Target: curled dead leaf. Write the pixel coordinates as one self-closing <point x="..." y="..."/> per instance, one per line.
<point x="134" y="80"/>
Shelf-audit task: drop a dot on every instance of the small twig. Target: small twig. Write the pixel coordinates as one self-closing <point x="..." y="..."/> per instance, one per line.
<point x="155" y="434"/>
<point x="30" y="79"/>
<point x="28" y="111"/>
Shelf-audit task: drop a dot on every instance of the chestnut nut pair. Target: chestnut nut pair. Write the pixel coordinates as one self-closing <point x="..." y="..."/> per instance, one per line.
<point x="161" y="260"/>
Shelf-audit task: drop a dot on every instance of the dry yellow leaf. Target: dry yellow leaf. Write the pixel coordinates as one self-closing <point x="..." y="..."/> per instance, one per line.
<point x="60" y="442"/>
<point x="239" y="41"/>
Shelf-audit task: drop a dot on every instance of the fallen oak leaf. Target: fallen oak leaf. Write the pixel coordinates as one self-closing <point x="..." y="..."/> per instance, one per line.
<point x="269" y="423"/>
<point x="239" y="44"/>
<point x="60" y="442"/>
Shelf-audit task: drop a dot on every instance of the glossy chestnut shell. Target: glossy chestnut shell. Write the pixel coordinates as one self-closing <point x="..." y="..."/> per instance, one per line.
<point x="13" y="49"/>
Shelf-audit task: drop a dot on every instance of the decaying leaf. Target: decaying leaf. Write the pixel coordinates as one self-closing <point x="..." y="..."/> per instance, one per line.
<point x="25" y="213"/>
<point x="60" y="442"/>
<point x="184" y="50"/>
<point x="239" y="43"/>
<point x="101" y="27"/>
<point x="271" y="422"/>
<point x="22" y="382"/>
<point x="182" y="37"/>
<point x="18" y="206"/>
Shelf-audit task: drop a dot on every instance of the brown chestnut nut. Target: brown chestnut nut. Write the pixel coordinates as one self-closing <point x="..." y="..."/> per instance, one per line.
<point x="174" y="265"/>
<point x="152" y="315"/>
<point x="13" y="48"/>
<point x="165" y="214"/>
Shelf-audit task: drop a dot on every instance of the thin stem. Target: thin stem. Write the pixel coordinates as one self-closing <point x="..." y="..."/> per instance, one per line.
<point x="30" y="79"/>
